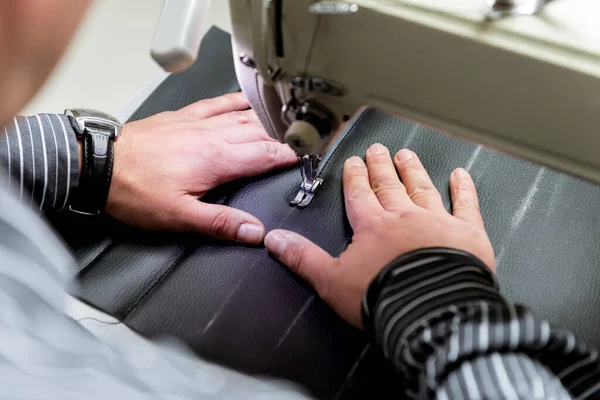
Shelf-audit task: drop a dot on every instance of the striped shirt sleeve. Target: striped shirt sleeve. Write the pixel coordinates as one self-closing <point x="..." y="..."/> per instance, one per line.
<point x="41" y="155"/>
<point x="440" y="319"/>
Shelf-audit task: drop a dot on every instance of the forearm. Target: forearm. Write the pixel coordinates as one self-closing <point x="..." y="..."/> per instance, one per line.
<point x="41" y="154"/>
<point x="441" y="321"/>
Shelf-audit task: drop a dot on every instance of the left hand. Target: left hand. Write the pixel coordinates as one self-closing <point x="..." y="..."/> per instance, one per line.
<point x="389" y="217"/>
<point x="164" y="164"/>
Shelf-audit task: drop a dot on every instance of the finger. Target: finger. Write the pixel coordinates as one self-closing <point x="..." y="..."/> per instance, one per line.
<point x="235" y="127"/>
<point x="303" y="257"/>
<point x="384" y="179"/>
<point x="232" y="118"/>
<point x="361" y="202"/>
<point x="256" y="158"/>
<point x="243" y="130"/>
<point x="218" y="105"/>
<point x="464" y="198"/>
<point x="220" y="222"/>
<point x="417" y="182"/>
<point x="245" y="134"/>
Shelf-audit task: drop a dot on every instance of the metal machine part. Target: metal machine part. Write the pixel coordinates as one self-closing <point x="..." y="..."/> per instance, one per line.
<point x="310" y="181"/>
<point x="307" y="135"/>
<point x="178" y="33"/>
<point x="333" y="7"/>
<point x="310" y="130"/>
<point x="449" y="74"/>
<point x="495" y="9"/>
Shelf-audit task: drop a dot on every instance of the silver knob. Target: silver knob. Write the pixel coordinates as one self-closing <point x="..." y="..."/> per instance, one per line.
<point x="495" y="9"/>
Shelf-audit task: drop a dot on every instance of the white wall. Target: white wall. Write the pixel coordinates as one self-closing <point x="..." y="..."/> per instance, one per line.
<point x="109" y="61"/>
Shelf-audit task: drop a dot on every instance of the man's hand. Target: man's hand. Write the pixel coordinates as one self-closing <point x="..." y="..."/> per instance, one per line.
<point x="165" y="163"/>
<point x="389" y="218"/>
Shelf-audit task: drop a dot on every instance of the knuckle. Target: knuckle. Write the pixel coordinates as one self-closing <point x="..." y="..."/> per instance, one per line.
<point x="220" y="226"/>
<point x="215" y="104"/>
<point x="463" y="185"/>
<point x="216" y="155"/>
<point x="379" y="158"/>
<point x="409" y="214"/>
<point x="177" y="211"/>
<point x="355" y="167"/>
<point x="241" y="117"/>
<point x="422" y="187"/>
<point x="269" y="151"/>
<point x="385" y="182"/>
<point x="421" y="191"/>
<point x="385" y="191"/>
<point x="359" y="193"/>
<point x="465" y="205"/>
<point x="325" y="286"/>
<point x="412" y="168"/>
<point x="370" y="223"/>
<point x="357" y="171"/>
<point x="324" y="289"/>
<point x="224" y="101"/>
<point x="295" y="257"/>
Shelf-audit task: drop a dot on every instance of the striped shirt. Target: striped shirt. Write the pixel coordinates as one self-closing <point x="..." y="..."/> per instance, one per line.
<point x="41" y="155"/>
<point x="440" y="319"/>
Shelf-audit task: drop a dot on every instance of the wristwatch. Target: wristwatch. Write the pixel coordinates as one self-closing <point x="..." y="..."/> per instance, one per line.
<point x="98" y="131"/>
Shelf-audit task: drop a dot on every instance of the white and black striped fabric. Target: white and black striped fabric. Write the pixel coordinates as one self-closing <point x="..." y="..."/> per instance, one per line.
<point x="441" y="321"/>
<point x="41" y="154"/>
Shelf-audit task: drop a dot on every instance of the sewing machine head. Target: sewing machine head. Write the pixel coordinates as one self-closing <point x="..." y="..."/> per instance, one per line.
<point x="522" y="76"/>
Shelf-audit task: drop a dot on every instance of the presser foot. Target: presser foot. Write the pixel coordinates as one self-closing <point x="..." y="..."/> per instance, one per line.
<point x="310" y="182"/>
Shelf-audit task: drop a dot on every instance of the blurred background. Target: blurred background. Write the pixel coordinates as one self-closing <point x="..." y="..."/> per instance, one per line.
<point x="108" y="65"/>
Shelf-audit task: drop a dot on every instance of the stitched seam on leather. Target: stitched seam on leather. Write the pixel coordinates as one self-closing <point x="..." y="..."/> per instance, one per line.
<point x="329" y="157"/>
<point x="341" y="140"/>
<point x="177" y="261"/>
<point x="96" y="259"/>
<point x="294" y="209"/>
<point x="352" y="372"/>
<point x="287" y="216"/>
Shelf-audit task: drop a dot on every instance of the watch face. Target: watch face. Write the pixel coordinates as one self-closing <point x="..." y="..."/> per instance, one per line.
<point x="86" y="118"/>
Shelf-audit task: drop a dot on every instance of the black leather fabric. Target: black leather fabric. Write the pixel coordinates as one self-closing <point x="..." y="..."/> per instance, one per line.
<point x="240" y="307"/>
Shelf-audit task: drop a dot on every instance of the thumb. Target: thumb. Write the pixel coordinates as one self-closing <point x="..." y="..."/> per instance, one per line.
<point x="303" y="257"/>
<point x="221" y="222"/>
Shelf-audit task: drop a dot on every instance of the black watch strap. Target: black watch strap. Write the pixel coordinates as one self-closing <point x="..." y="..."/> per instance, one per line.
<point x="94" y="182"/>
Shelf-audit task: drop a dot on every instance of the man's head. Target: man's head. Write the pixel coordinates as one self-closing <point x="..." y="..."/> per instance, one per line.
<point x="33" y="35"/>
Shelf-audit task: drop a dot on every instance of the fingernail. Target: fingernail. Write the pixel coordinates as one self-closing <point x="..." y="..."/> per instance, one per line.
<point x="250" y="233"/>
<point x="276" y="243"/>
<point x="404" y="155"/>
<point x="377" y="148"/>
<point x="355" y="161"/>
<point x="460" y="173"/>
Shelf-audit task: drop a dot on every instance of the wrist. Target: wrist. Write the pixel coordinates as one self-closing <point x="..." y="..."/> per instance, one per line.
<point x="96" y="133"/>
<point x="414" y="284"/>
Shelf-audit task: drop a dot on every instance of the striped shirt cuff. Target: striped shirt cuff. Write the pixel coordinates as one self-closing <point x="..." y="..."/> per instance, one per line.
<point x="41" y="155"/>
<point x="435" y="311"/>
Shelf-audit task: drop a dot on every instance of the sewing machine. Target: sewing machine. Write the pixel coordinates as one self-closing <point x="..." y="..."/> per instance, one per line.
<point x="522" y="76"/>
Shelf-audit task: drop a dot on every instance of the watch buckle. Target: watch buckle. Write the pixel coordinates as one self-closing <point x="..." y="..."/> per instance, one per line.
<point x="83" y="212"/>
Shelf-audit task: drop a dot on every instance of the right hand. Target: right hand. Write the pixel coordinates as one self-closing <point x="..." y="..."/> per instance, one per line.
<point x="166" y="163"/>
<point x="389" y="218"/>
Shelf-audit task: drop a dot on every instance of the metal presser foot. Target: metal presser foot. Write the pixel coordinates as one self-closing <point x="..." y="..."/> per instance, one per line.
<point x="310" y="182"/>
